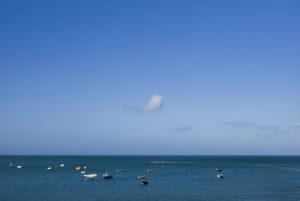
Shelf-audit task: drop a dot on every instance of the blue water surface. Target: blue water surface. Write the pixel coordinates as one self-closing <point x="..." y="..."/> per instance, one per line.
<point x="249" y="178"/>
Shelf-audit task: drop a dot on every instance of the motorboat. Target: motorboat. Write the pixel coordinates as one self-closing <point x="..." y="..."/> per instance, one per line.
<point x="19" y="166"/>
<point x="142" y="177"/>
<point x="90" y="176"/>
<point x="119" y="170"/>
<point x="78" y="168"/>
<point x="10" y="165"/>
<point x="84" y="167"/>
<point x="218" y="170"/>
<point x="220" y="176"/>
<point x="49" y="168"/>
<point x="62" y="165"/>
<point x="82" y="172"/>
<point x="144" y="182"/>
<point x="106" y="175"/>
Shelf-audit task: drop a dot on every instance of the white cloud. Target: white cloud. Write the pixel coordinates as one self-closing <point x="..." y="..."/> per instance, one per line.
<point x="154" y="103"/>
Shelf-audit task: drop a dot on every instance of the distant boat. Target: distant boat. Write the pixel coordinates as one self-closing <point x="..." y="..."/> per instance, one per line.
<point x="106" y="176"/>
<point x="142" y="177"/>
<point x="149" y="170"/>
<point x="82" y="172"/>
<point x="90" y="176"/>
<point x="49" y="168"/>
<point x="19" y="166"/>
<point x="220" y="176"/>
<point x="10" y="165"/>
<point x="84" y="167"/>
<point x="119" y="170"/>
<point x="78" y="168"/>
<point x="218" y="170"/>
<point x="62" y="165"/>
<point x="144" y="182"/>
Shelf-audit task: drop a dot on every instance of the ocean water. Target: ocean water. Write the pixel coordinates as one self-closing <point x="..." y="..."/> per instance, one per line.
<point x="173" y="178"/>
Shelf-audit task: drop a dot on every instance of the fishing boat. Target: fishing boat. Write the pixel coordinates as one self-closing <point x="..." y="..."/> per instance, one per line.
<point x="142" y="177"/>
<point x="220" y="176"/>
<point x="19" y="166"/>
<point x="90" y="176"/>
<point x="144" y="182"/>
<point x="106" y="175"/>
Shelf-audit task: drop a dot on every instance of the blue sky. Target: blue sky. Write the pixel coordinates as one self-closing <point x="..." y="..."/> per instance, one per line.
<point x="149" y="77"/>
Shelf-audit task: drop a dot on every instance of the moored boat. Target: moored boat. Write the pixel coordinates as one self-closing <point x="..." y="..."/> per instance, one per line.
<point x="142" y="177"/>
<point x="144" y="182"/>
<point x="218" y="170"/>
<point x="90" y="176"/>
<point x="106" y="175"/>
<point x="220" y="176"/>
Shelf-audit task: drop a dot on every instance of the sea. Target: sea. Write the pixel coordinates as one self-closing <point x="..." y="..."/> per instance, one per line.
<point x="173" y="178"/>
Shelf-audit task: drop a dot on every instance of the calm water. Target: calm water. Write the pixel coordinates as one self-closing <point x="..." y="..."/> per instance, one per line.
<point x="173" y="178"/>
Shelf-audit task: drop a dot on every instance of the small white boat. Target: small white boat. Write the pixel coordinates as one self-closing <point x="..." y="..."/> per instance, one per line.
<point x="220" y="176"/>
<point x="19" y="166"/>
<point x="84" y="167"/>
<point x="10" y="165"/>
<point x="49" y="168"/>
<point x="90" y="176"/>
<point x="149" y="170"/>
<point x="82" y="172"/>
<point x="62" y="165"/>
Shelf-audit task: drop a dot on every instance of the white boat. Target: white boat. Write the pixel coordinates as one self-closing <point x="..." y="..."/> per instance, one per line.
<point x="10" y="165"/>
<point x="84" y="167"/>
<point x="149" y="170"/>
<point x="19" y="166"/>
<point x="62" y="165"/>
<point x="49" y="168"/>
<point x="90" y="176"/>
<point x="82" y="172"/>
<point x="220" y="176"/>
